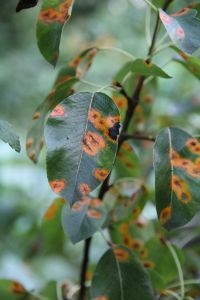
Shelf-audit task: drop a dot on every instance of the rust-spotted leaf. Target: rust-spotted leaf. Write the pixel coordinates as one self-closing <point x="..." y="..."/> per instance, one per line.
<point x="53" y="15"/>
<point x="83" y="219"/>
<point x="130" y="278"/>
<point x="183" y="28"/>
<point x="80" y="149"/>
<point x="177" y="168"/>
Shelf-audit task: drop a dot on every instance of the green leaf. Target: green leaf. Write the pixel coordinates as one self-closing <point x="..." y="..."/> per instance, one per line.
<point x="183" y="28"/>
<point x="120" y="276"/>
<point x="140" y="66"/>
<point x="63" y="87"/>
<point x="191" y="63"/>
<point x="53" y="15"/>
<point x="81" y="140"/>
<point x="8" y="136"/>
<point x="177" y="176"/>
<point x="22" y="4"/>
<point x="83" y="219"/>
<point x="13" y="290"/>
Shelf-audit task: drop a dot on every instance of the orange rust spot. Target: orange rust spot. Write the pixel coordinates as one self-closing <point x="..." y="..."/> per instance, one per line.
<point x="149" y="264"/>
<point x="136" y="211"/>
<point x="17" y="288"/>
<point x="62" y="79"/>
<point x="36" y="115"/>
<point x="32" y="155"/>
<point x="85" y="201"/>
<point x="181" y="189"/>
<point x="126" y="146"/>
<point x="48" y="16"/>
<point x="138" y="109"/>
<point x="165" y="18"/>
<point x="29" y="143"/>
<point x="165" y="214"/>
<point x="92" y="143"/>
<point x="58" y="111"/>
<point x="93" y="213"/>
<point x="120" y="101"/>
<point x="143" y="253"/>
<point x="51" y="211"/>
<point x="148" y="99"/>
<point x="136" y="244"/>
<point x="121" y="254"/>
<point x="123" y="228"/>
<point x="110" y="121"/>
<point x="103" y="297"/>
<point x="128" y="240"/>
<point x="75" y="62"/>
<point x="95" y="202"/>
<point x="181" y="12"/>
<point x="77" y="206"/>
<point x="96" y="119"/>
<point x="193" y="145"/>
<point x="58" y="185"/>
<point x="100" y="174"/>
<point x="180" y="32"/>
<point x="84" y="189"/>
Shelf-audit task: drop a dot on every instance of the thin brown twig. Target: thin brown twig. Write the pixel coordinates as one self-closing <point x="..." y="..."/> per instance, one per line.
<point x="127" y="136"/>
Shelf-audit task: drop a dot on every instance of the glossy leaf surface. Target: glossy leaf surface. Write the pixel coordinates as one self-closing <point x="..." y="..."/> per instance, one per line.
<point x="177" y="171"/>
<point x="8" y="136"/>
<point x="81" y="139"/>
<point x="119" y="275"/>
<point x="63" y="87"/>
<point x="83" y="219"/>
<point x="53" y="15"/>
<point x="183" y="28"/>
<point x="23" y="4"/>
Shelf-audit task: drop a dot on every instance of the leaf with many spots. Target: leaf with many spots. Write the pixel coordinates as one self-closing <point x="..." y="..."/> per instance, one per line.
<point x="83" y="219"/>
<point x="81" y="139"/>
<point x="26" y="4"/>
<point x="53" y="15"/>
<point x="8" y="136"/>
<point x="64" y="83"/>
<point x="183" y="28"/>
<point x="177" y="176"/>
<point x="13" y="290"/>
<point x="130" y="278"/>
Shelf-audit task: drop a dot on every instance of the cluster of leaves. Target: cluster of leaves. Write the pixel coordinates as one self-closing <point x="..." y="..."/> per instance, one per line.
<point x="93" y="166"/>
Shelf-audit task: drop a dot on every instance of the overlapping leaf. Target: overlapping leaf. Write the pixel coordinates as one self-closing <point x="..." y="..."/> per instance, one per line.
<point x="183" y="28"/>
<point x="81" y="139"/>
<point x="130" y="278"/>
<point x="53" y="15"/>
<point x="8" y="135"/>
<point x="65" y="81"/>
<point x="83" y="219"/>
<point x="177" y="171"/>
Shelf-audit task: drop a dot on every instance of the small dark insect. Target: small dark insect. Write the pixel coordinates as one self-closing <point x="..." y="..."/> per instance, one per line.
<point x="114" y="131"/>
<point x="26" y="4"/>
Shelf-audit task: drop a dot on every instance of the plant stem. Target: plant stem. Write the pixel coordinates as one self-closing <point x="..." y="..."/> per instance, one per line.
<point x="84" y="268"/>
<point x="121" y="51"/>
<point x="152" y="5"/>
<point x="127" y="136"/>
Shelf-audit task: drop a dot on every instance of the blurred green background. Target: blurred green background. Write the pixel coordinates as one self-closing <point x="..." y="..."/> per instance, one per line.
<point x="26" y="78"/>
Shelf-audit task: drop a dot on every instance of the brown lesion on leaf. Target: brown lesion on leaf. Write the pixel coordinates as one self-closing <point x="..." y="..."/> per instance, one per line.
<point x="36" y="115"/>
<point x="180" y="33"/>
<point x="17" y="288"/>
<point x="181" y="12"/>
<point x="58" y="111"/>
<point x="29" y="142"/>
<point x="193" y="145"/>
<point x="92" y="143"/>
<point x="96" y="119"/>
<point x="95" y="202"/>
<point x="121" y="255"/>
<point x="58" y="185"/>
<point x="93" y="213"/>
<point x="147" y="63"/>
<point x="181" y="189"/>
<point x="148" y="264"/>
<point x="120" y="101"/>
<point x="84" y="189"/>
<point x="100" y="174"/>
<point x="32" y="155"/>
<point x="102" y="297"/>
<point x="165" y="18"/>
<point x="165" y="214"/>
<point x="136" y="244"/>
<point x="143" y="253"/>
<point x="51" y="211"/>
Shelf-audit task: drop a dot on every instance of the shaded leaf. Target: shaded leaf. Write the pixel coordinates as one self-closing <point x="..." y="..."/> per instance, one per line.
<point x="183" y="28"/>
<point x="8" y="136"/>
<point x="49" y="291"/>
<point x="65" y="81"/>
<point x="80" y="147"/>
<point x="83" y="219"/>
<point x="53" y="15"/>
<point x="130" y="278"/>
<point x="22" y="4"/>
<point x="177" y="176"/>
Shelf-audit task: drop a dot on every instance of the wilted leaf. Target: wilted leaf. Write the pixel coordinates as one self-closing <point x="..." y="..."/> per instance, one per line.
<point x="183" y="28"/>
<point x="8" y="136"/>
<point x="83" y="219"/>
<point x="177" y="170"/>
<point x="65" y="81"/>
<point x="81" y="139"/>
<point x="53" y="15"/>
<point x="22" y="4"/>
<point x="119" y="275"/>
